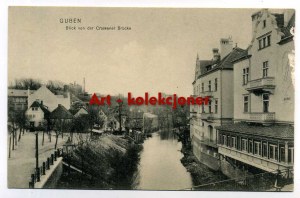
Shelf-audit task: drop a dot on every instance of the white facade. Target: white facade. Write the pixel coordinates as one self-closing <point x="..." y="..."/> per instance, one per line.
<point x="49" y="99"/>
<point x="35" y="115"/>
<point x="274" y="81"/>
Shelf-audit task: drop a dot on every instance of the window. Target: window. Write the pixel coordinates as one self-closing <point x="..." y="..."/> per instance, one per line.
<point x="265" y="150"/>
<point x="257" y="150"/>
<point x="209" y="85"/>
<point x="32" y="108"/>
<point x="291" y="155"/>
<point x="228" y="141"/>
<point x="265" y="98"/>
<point x="203" y="111"/>
<point x="273" y="152"/>
<point x="269" y="40"/>
<point x="244" y="144"/>
<point x="202" y="87"/>
<point x="246" y="104"/>
<point x="264" y="23"/>
<point x="265" y="69"/>
<point x="209" y="107"/>
<point x="225" y="140"/>
<point x="216" y="105"/>
<point x="233" y="142"/>
<point x="245" y="75"/>
<point x="216" y="84"/>
<point x="19" y="107"/>
<point x="250" y="146"/>
<point x="264" y="42"/>
<point x="260" y="44"/>
<point x="282" y="154"/>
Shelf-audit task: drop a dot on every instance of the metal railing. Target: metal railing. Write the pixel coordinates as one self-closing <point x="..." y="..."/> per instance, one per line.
<point x="40" y="171"/>
<point x="257" y="182"/>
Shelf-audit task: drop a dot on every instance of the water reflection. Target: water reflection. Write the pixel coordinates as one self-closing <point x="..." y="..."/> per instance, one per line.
<point x="160" y="167"/>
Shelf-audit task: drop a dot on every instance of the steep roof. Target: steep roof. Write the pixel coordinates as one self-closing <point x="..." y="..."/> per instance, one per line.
<point x="225" y="63"/>
<point x="287" y="29"/>
<point x="61" y="113"/>
<point x="43" y="107"/>
<point x="274" y="131"/>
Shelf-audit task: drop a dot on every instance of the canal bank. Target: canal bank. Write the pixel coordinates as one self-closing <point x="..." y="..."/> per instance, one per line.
<point x="108" y="162"/>
<point x="200" y="173"/>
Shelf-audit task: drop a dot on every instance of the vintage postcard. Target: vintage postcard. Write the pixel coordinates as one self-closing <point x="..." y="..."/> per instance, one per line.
<point x="197" y="99"/>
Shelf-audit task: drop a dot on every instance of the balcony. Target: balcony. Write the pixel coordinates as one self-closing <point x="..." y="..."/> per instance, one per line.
<point x="208" y="93"/>
<point x="262" y="85"/>
<point x="261" y="117"/>
<point x="207" y="116"/>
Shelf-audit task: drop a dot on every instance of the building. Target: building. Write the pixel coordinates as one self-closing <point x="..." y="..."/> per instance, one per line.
<point x="262" y="135"/>
<point x="18" y="99"/>
<point x="81" y="111"/>
<point x="37" y="113"/>
<point x="213" y="78"/>
<point x="49" y="99"/>
<point x="60" y="114"/>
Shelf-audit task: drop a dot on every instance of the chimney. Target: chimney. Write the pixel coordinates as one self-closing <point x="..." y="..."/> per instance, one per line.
<point x="226" y="46"/>
<point x="216" y="55"/>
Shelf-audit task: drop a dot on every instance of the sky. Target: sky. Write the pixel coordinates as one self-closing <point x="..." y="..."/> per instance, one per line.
<point x="158" y="54"/>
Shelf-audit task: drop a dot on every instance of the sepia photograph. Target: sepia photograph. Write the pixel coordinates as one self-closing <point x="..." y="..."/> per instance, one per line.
<point x="150" y="99"/>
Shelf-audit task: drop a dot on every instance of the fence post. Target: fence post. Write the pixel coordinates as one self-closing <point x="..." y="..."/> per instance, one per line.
<point x="44" y="168"/>
<point x="48" y="163"/>
<point x="33" y="179"/>
<point x="37" y="174"/>
<point x="52" y="159"/>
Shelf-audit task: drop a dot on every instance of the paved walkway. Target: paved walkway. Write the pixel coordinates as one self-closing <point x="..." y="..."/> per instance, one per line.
<point x="21" y="164"/>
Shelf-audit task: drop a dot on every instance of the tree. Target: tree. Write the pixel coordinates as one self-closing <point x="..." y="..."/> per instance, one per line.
<point x="60" y="126"/>
<point x="55" y="86"/>
<point x="26" y="83"/>
<point x="94" y="117"/>
<point x="80" y="123"/>
<point x="147" y="124"/>
<point x="14" y="119"/>
<point x="21" y="121"/>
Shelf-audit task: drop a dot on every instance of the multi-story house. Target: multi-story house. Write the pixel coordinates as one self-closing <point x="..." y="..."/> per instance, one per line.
<point x="37" y="113"/>
<point x="262" y="136"/>
<point x="18" y="100"/>
<point x="213" y="78"/>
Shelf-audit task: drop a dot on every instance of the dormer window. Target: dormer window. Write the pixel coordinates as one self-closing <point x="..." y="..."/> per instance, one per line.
<point x="208" y="68"/>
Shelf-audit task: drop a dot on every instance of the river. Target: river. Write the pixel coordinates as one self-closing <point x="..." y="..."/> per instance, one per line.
<point x="160" y="167"/>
